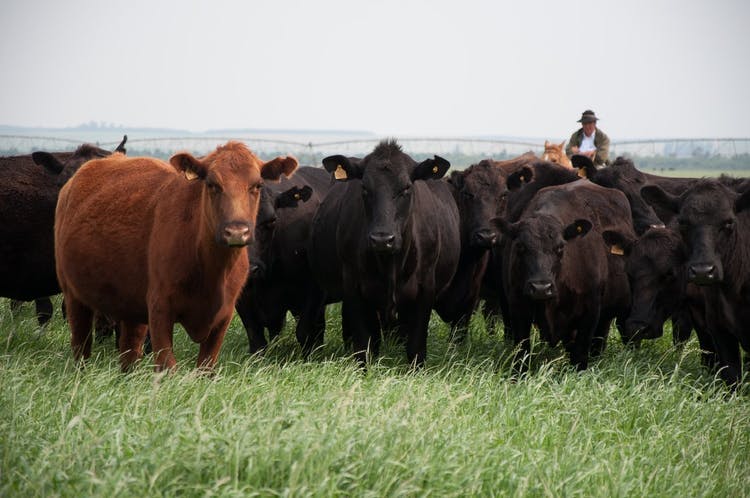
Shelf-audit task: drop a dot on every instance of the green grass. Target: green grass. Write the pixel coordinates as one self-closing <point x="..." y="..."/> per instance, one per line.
<point x="648" y="422"/>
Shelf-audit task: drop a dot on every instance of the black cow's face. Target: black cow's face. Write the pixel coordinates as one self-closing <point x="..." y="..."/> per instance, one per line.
<point x="260" y="247"/>
<point x="537" y="248"/>
<point x="706" y="221"/>
<point x="387" y="193"/>
<point x="707" y="218"/>
<point x="481" y="195"/>
<point x="655" y="270"/>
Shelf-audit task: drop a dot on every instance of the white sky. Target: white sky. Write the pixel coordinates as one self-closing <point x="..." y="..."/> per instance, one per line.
<point x="649" y="68"/>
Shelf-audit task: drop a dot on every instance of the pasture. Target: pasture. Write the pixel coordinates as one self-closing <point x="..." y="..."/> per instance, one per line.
<point x="646" y="422"/>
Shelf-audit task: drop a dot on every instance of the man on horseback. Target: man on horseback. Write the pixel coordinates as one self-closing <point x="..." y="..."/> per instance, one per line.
<point x="589" y="141"/>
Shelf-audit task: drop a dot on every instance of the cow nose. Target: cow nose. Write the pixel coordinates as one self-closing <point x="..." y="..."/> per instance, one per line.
<point x="484" y="238"/>
<point x="257" y="269"/>
<point x="539" y="290"/>
<point x="382" y="241"/>
<point x="236" y="234"/>
<point x="702" y="274"/>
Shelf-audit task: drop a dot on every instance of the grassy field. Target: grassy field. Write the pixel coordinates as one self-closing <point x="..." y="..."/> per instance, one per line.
<point x="648" y="422"/>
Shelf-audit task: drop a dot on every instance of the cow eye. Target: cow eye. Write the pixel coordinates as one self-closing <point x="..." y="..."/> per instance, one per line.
<point x="559" y="250"/>
<point x="405" y="191"/>
<point x="728" y="225"/>
<point x="254" y="189"/>
<point x="213" y="188"/>
<point x="467" y="195"/>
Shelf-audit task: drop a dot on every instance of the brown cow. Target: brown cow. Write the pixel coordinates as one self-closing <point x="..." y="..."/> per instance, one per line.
<point x="140" y="242"/>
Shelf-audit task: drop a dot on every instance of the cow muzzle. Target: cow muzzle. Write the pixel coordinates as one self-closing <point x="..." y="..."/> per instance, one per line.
<point x="236" y="234"/>
<point x="383" y="242"/>
<point x="540" y="290"/>
<point x="703" y="274"/>
<point x="483" y="238"/>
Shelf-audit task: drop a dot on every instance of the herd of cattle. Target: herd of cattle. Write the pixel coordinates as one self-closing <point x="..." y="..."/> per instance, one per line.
<point x="148" y="244"/>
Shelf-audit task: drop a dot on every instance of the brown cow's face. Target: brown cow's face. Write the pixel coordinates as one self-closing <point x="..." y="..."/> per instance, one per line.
<point x="232" y="177"/>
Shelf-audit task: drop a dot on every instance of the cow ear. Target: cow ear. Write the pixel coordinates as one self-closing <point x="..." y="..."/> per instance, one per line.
<point x="48" y="161"/>
<point x="121" y="148"/>
<point x="273" y="169"/>
<point x="578" y="228"/>
<point x="186" y="163"/>
<point x="292" y="197"/>
<point x="546" y="144"/>
<point x="742" y="202"/>
<point x="619" y="243"/>
<point x="430" y="169"/>
<point x="342" y="167"/>
<point x="518" y="178"/>
<point x="506" y="228"/>
<point x="654" y="195"/>
<point x="584" y="164"/>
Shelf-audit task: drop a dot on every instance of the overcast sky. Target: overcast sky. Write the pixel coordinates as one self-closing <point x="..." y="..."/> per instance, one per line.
<point x="649" y="68"/>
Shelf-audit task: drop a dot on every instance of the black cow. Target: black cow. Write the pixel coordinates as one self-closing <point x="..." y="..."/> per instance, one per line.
<point x="714" y="221"/>
<point x="480" y="192"/>
<point x="559" y="271"/>
<point x="280" y="278"/>
<point x="623" y="176"/>
<point x="28" y="196"/>
<point x="385" y="239"/>
<point x="543" y="174"/>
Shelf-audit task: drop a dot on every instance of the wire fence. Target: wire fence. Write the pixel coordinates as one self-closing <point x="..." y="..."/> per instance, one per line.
<point x="460" y="151"/>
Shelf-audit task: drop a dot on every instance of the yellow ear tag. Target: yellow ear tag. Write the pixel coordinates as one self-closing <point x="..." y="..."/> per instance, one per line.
<point x="340" y="173"/>
<point x="617" y="250"/>
<point x="434" y="169"/>
<point x="523" y="179"/>
<point x="296" y="196"/>
<point x="579" y="229"/>
<point x="190" y="174"/>
<point x="582" y="172"/>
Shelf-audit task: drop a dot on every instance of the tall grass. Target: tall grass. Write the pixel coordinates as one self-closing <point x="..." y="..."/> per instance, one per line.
<point x="647" y="422"/>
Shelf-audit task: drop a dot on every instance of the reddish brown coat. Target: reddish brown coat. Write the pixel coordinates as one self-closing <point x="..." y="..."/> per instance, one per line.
<point x="153" y="245"/>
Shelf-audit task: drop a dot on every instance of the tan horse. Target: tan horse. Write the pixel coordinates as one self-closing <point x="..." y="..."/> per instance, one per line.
<point x="555" y="153"/>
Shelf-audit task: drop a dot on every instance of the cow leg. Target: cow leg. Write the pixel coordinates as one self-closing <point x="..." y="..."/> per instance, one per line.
<point x="130" y="343"/>
<point x="80" y="318"/>
<point x="728" y="352"/>
<point x="682" y="326"/>
<point x="210" y="347"/>
<point x="256" y="338"/>
<point x="311" y="325"/>
<point x="416" y="319"/>
<point x="587" y="328"/>
<point x="521" y="329"/>
<point x="599" y="339"/>
<point x="43" y="310"/>
<point x="161" y="332"/>
<point x="460" y="329"/>
<point x="360" y="322"/>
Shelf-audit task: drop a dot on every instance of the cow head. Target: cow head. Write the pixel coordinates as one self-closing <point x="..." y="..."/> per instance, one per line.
<point x="654" y="264"/>
<point x="261" y="253"/>
<point x="65" y="164"/>
<point x="537" y="247"/>
<point x="481" y="193"/>
<point x="707" y="218"/>
<point x="623" y="176"/>
<point x="387" y="186"/>
<point x="231" y="179"/>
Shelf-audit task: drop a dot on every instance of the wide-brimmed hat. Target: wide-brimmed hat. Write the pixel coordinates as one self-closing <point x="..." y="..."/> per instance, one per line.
<point x="588" y="116"/>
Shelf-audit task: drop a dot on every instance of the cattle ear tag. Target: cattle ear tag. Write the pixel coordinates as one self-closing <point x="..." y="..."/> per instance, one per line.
<point x="340" y="173"/>
<point x="617" y="250"/>
<point x="434" y="169"/>
<point x="296" y="196"/>
<point x="582" y="172"/>
<point x="190" y="174"/>
<point x="579" y="229"/>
